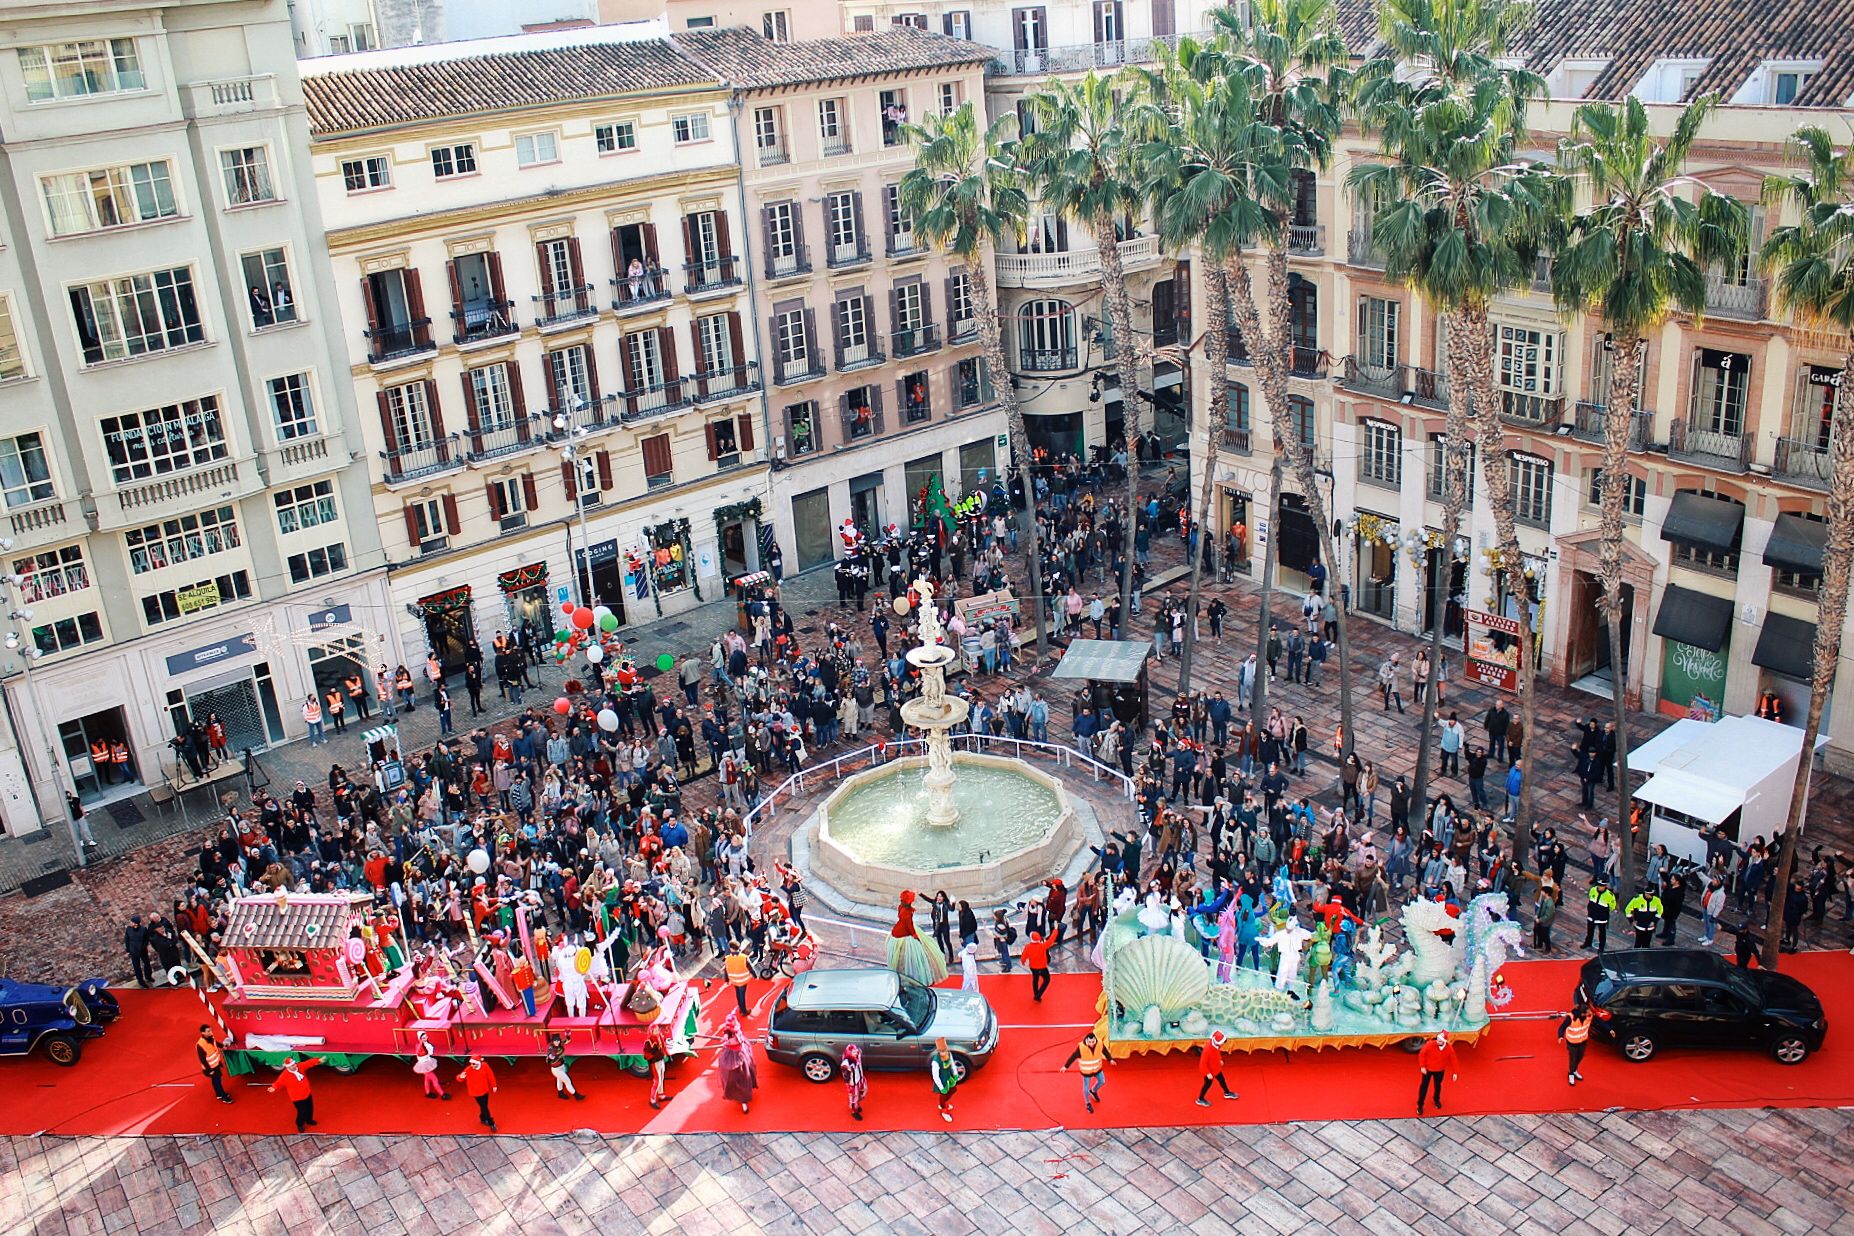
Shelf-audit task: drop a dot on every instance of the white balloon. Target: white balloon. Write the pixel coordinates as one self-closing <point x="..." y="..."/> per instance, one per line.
<point x="595" y="654"/>
<point x="608" y="720"/>
<point x="599" y="613"/>
<point x="478" y="860"/>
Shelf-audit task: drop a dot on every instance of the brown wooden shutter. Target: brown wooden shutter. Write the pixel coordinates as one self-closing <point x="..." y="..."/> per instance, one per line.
<point x="1099" y="34"/>
<point x="722" y="239"/>
<point x="649" y="231"/>
<point x="894" y="310"/>
<point x="875" y="405"/>
<point x="734" y="347"/>
<point x="1181" y="301"/>
<point x="666" y="348"/>
<point x="926" y="305"/>
<point x="545" y="268"/>
<point x="856" y="216"/>
<point x="437" y="410"/>
<point x="574" y="263"/>
<point x="714" y="452"/>
<point x="451" y="520"/>
<point x="472" y="413"/>
<point x="372" y="305"/>
<point x="836" y="330"/>
<point x="412" y="526"/>
<point x="592" y="373"/>
<point x="811" y="337"/>
<point x="657" y="458"/>
<point x="629" y="363"/>
<point x="528" y="491"/>
<point x="553" y="381"/>
<point x="688" y="240"/>
<point x="604" y="459"/>
<point x="766" y="235"/>
<point x="743" y="429"/>
<point x="617" y="254"/>
<point x="450" y="269"/>
<point x="516" y="398"/>
<point x="569" y="480"/>
<point x="495" y="276"/>
<point x="415" y="295"/>
<point x="493" y="492"/>
<point x="798" y="224"/>
<point x="386" y="421"/>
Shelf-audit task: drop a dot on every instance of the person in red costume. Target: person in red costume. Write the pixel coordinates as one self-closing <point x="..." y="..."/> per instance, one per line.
<point x="1436" y="1058"/>
<point x="296" y="1085"/>
<point x="911" y="953"/>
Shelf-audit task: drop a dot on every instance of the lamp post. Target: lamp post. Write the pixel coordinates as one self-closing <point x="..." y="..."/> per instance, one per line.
<point x="19" y="640"/>
<point x="572" y="435"/>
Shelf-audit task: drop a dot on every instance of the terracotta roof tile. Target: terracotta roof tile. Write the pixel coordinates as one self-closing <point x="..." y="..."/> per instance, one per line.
<point x="745" y="58"/>
<point x="303" y="921"/>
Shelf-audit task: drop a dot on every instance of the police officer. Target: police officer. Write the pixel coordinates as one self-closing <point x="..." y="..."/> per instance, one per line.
<point x="1644" y="915"/>
<point x="1597" y="910"/>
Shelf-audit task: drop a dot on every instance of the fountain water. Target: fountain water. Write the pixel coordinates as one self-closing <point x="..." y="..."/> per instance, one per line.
<point x="933" y="710"/>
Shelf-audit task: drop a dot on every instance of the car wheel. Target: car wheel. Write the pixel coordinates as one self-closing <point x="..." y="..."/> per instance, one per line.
<point x="638" y="1067"/>
<point x="1789" y="1049"/>
<point x="817" y="1067"/>
<point x="1638" y="1047"/>
<point x="961" y="1066"/>
<point x="63" y="1049"/>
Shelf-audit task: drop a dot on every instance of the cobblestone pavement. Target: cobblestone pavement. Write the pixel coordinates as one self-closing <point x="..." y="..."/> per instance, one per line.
<point x="1705" y="1172"/>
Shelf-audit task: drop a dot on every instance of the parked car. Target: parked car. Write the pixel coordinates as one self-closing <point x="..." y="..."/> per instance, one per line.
<point x="1677" y="997"/>
<point x="56" y="1019"/>
<point x="894" y="1019"/>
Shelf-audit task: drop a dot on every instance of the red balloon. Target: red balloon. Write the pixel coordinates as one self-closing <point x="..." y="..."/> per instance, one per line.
<point x="563" y="706"/>
<point x="583" y="618"/>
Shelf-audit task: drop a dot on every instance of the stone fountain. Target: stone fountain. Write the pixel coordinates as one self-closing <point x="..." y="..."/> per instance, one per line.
<point x="933" y="710"/>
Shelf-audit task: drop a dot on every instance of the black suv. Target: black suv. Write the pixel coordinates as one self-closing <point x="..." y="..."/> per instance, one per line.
<point x="1672" y="997"/>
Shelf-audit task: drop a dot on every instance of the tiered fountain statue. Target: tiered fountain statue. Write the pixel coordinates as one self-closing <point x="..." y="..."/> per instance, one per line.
<point x="933" y="710"/>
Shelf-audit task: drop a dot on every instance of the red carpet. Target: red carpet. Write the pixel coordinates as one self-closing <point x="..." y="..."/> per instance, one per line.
<point x="140" y="1078"/>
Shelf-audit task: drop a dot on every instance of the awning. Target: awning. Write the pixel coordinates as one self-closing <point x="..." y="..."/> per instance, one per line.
<point x="1797" y="544"/>
<point x="1691" y="797"/>
<point x="1694" y="618"/>
<point x="1787" y="646"/>
<point x="1103" y="660"/>
<point x="1703" y="522"/>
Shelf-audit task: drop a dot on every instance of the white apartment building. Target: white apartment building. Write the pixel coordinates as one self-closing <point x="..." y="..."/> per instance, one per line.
<point x="337" y="27"/>
<point x="178" y="417"/>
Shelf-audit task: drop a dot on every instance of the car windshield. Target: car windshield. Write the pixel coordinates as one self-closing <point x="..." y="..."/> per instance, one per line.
<point x="1744" y="988"/>
<point x="917" y="1003"/>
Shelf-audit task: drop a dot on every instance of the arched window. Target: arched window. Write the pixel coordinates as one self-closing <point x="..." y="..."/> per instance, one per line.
<point x="1046" y="336"/>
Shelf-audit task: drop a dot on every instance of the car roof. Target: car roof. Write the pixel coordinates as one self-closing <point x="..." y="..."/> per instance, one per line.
<point x="860" y="988"/>
<point x="1660" y="965"/>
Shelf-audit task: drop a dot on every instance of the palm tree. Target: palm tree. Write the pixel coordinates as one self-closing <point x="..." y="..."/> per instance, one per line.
<point x="1457" y="225"/>
<point x="1638" y="253"/>
<point x="1086" y="163"/>
<point x="1298" y="59"/>
<point x="1814" y="263"/>
<point x="964" y="194"/>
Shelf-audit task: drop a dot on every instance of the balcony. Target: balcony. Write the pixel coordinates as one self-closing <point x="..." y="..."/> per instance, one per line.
<point x="1237" y="441"/>
<point x="1077" y="58"/>
<point x="788" y="265"/>
<point x="839" y="256"/>
<point x="851" y="357"/>
<point x="408" y="463"/>
<point x="905" y="246"/>
<point x="1359" y="250"/>
<point x="774" y="153"/>
<point x="229" y="96"/>
<point x="1802" y="462"/>
<point x="962" y="330"/>
<point x="580" y="414"/>
<point x="566" y="305"/>
<point x="1429" y="387"/>
<point x="191" y="488"/>
<point x="916" y="342"/>
<point x="831" y="147"/>
<point x="484" y="319"/>
<point x="1307" y="361"/>
<point x="1710" y="448"/>
<point x="510" y="438"/>
<point x="713" y="275"/>
<point x="46" y="517"/>
<point x="1307" y="239"/>
<point x="657" y="397"/>
<point x="787" y="372"/>
<point x="398" y="340"/>
<point x="648" y="286"/>
<point x="1041" y="270"/>
<point x="1735" y="299"/>
<point x="1384" y="381"/>
<point x="731" y="380"/>
<point x="1045" y="360"/>
<point x="1530" y="411"/>
<point x="1592" y="425"/>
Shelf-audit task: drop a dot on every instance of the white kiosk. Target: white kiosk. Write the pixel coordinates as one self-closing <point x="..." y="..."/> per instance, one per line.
<point x="1736" y="771"/>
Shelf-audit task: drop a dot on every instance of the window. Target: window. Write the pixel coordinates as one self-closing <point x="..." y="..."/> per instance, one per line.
<point x="1236" y="416"/>
<point x="700" y="23"/>
<point x="894" y="105"/>
<point x="12" y="360"/>
<point x="25" y="473"/>
<point x="792" y="344"/>
<point x="862" y="24"/>
<point x="164" y="440"/>
<point x="776" y="26"/>
<point x="900" y="223"/>
<point x="86" y="67"/>
<point x="841" y="222"/>
<point x="832" y="136"/>
<point x="1531" y="480"/>
<point x="458" y="160"/>
<point x="1720" y="386"/>
<point x="427" y="523"/>
<point x="533" y="149"/>
<point x="366" y="173"/>
<point x="508" y="501"/>
<point x="109" y="197"/>
<point x="914" y="398"/>
<point x="949" y="97"/>
<point x="1378" y="332"/>
<point x="137" y="315"/>
<point x="971" y="383"/>
<point x="338" y="45"/>
<point x="1026" y="118"/>
<point x="959" y="314"/>
<point x="1438" y="450"/>
<point x="323" y="560"/>
<point x="958" y="25"/>
<point x="862" y="412"/>
<point x="194" y="598"/>
<point x="68" y="633"/>
<point x="646" y="355"/>
<point x="1046" y="336"/>
<point x="801" y="427"/>
<point x="689" y="127"/>
<point x="1634" y="497"/>
<point x="409" y="415"/>
<point x="1302" y="418"/>
<point x="782" y="238"/>
<point x="916" y="21"/>
<point x="723" y="443"/>
<point x="716" y="336"/>
<point x="658" y="467"/>
<point x="1786" y="84"/>
<point x="51" y="573"/>
<point x="910" y="312"/>
<point x="591" y="478"/>
<point x="614" y="137"/>
<point x="569" y="371"/>
<point x="1528" y="360"/>
<point x="853" y="331"/>
<point x="1381" y="454"/>
<point x="268" y="290"/>
<point x="769" y="136"/>
<point x="305" y="507"/>
<point x="292" y="405"/>
<point x="182" y="539"/>
<point x="246" y="171"/>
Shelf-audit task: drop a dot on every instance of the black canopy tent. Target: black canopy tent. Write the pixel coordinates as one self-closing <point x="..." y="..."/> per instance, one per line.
<point x="1113" y="676"/>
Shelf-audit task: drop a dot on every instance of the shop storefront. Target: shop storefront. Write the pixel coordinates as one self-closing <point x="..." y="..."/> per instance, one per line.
<point x="978" y="462"/>
<point x="1236" y="519"/>
<point x="664" y="565"/>
<point x="1374" y="590"/>
<point x="737" y="534"/>
<point x="525" y="597"/>
<point x="1696" y="631"/>
<point x="811" y="530"/>
<point x="1505" y="602"/>
<point x="449" y="625"/>
<point x="603" y="584"/>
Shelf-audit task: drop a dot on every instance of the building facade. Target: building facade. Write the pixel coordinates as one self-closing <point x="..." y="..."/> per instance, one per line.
<point x="187" y="534"/>
<point x="874" y="378"/>
<point x="539" y="253"/>
<point x="337" y="27"/>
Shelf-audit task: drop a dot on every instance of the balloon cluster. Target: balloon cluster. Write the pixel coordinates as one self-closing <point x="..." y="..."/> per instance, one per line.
<point x="588" y="628"/>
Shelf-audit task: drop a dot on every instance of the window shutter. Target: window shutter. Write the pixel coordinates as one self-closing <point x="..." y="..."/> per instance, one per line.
<point x="1099" y="34"/>
<point x="845" y="413"/>
<point x="657" y="455"/>
<point x="1042" y="27"/>
<point x="450" y="269"/>
<point x="553" y="382"/>
<point x="450" y="514"/>
<point x="629" y="361"/>
<point x="836" y="331"/>
<point x="946" y="24"/>
<point x="949" y="302"/>
<point x="666" y="347"/>
<point x="709" y="431"/>
<point x="569" y="481"/>
<point x="894" y="310"/>
<point x="372" y="305"/>
<point x="856" y="217"/>
<point x="494" y="493"/>
<point x="415" y="296"/>
<point x="545" y="267"/>
<point x="437" y="411"/>
<point x="704" y="363"/>
<point x="766" y="234"/>
<point x="516" y="400"/>
<point x="386" y="421"/>
<point x="604" y="460"/>
<point x="875" y="407"/>
<point x="926" y="304"/>
<point x="1181" y="300"/>
<point x="617" y="255"/>
<point x="574" y="264"/>
<point x="528" y="491"/>
<point x="689" y="255"/>
<point x="722" y="237"/>
<point x="743" y="432"/>
<point x="736" y="352"/>
<point x="472" y="413"/>
<point x="592" y="375"/>
<point x="798" y="224"/>
<point x="651" y="259"/>
<point x="412" y="526"/>
<point x="495" y="276"/>
<point x="811" y="338"/>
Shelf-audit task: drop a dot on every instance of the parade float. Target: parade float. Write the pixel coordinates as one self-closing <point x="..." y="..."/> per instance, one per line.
<point x="329" y="974"/>
<point x="1171" y="977"/>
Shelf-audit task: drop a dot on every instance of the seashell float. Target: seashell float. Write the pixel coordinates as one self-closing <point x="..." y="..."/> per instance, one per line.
<point x="1160" y="973"/>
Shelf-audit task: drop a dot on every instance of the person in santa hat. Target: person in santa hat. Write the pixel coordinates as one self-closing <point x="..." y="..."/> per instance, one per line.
<point x="425" y="1065"/>
<point x="479" y="1082"/>
<point x="295" y="1083"/>
<point x="1436" y="1058"/>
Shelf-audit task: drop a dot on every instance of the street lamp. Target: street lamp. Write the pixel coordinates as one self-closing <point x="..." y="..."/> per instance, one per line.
<point x="19" y="640"/>
<point x="572" y="435"/>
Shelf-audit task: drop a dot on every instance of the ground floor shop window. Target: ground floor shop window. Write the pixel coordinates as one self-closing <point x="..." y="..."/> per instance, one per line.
<point x="449" y="626"/>
<point x="524" y="593"/>
<point x="670" y="558"/>
<point x="978" y="465"/>
<point x="811" y="529"/>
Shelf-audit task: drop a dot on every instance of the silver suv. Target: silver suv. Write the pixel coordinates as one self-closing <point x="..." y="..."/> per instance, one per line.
<point x="894" y="1019"/>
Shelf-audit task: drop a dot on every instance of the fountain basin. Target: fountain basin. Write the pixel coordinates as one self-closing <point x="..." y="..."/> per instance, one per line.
<point x="1016" y="828"/>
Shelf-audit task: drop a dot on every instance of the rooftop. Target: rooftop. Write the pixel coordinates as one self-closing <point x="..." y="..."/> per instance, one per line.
<point x="744" y="57"/>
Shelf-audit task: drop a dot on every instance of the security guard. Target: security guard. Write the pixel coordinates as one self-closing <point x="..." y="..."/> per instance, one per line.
<point x="99" y="759"/>
<point x="1601" y="905"/>
<point x="1644" y="915"/>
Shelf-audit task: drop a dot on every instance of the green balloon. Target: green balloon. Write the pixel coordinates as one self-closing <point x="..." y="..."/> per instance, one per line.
<point x="609" y="622"/>
<point x="562" y="636"/>
<point x="666" y="661"/>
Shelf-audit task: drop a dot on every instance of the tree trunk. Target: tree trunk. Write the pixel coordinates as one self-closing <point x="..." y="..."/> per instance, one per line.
<point x="1832" y="612"/>
<point x="1454" y="500"/>
<point x="1496" y="471"/>
<point x="1216" y="356"/>
<point x="1624" y="393"/>
<point x="991" y="335"/>
<point x="1126" y="363"/>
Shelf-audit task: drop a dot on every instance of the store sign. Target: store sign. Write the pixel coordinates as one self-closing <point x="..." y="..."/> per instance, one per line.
<point x="333" y="616"/>
<point x="1822" y="375"/>
<point x="199" y="597"/>
<point x="1692" y="680"/>
<point x="199" y="658"/>
<point x="1493" y="650"/>
<point x="1713" y="358"/>
<point x="604" y="551"/>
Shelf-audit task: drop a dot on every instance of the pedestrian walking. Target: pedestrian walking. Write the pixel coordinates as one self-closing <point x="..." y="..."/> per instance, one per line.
<point x="855" y="1080"/>
<point x="738" y="970"/>
<point x="295" y="1082"/>
<point x="479" y="1082"/>
<point x="425" y="1065"/>
<point x="557" y="1065"/>
<point x="1091" y="1059"/>
<point x="656" y="1058"/>
<point x="739" y="1074"/>
<point x="1210" y="1064"/>
<point x="1436" y="1058"/>
<point x="968" y="966"/>
<point x="944" y="1072"/>
<point x="1574" y="1033"/>
<point x="212" y="1061"/>
<point x="1036" y="959"/>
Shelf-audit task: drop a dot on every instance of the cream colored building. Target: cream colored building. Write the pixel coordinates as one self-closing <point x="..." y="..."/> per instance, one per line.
<point x="189" y="536"/>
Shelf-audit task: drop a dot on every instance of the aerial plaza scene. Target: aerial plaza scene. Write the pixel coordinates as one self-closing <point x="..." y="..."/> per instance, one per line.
<point x="1124" y="616"/>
